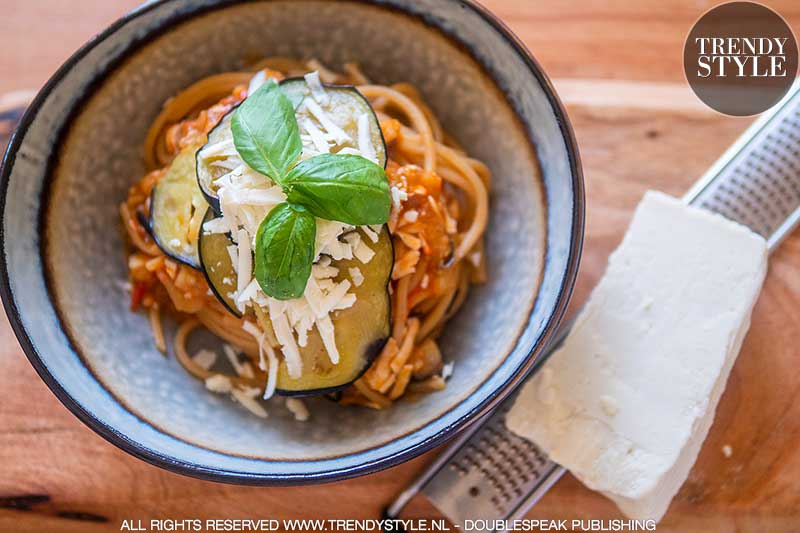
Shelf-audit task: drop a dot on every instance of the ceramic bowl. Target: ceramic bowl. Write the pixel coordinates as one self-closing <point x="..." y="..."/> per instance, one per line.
<point x="78" y="149"/>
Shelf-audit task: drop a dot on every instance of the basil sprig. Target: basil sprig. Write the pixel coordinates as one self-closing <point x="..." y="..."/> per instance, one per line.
<point x="265" y="131"/>
<point x="285" y="251"/>
<point x="347" y="188"/>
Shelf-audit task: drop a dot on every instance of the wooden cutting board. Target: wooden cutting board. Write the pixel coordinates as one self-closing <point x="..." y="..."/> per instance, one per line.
<point x="57" y="475"/>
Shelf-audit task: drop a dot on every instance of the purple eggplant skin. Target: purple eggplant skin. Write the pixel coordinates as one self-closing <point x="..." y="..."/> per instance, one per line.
<point x="210" y="245"/>
<point x="335" y="393"/>
<point x="177" y="180"/>
<point x="202" y="179"/>
<point x="186" y="260"/>
<point x="144" y="221"/>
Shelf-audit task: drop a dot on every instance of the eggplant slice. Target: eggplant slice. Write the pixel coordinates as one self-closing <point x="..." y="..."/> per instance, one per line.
<point x="216" y="265"/>
<point x="344" y="107"/>
<point x="208" y="172"/>
<point x="175" y="202"/>
<point x="361" y="330"/>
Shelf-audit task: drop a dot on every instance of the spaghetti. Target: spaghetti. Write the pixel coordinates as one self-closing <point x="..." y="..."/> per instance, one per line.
<point x="437" y="225"/>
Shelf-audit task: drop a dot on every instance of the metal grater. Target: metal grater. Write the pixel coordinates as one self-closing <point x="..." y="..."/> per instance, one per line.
<point x="489" y="473"/>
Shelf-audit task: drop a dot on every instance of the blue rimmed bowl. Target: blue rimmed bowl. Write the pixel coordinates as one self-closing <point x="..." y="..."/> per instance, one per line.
<point x="78" y="149"/>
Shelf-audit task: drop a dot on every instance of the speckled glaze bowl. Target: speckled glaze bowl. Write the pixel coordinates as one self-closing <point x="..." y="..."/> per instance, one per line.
<point x="78" y="149"/>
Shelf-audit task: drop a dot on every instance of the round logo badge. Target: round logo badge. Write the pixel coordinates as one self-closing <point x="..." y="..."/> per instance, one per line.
<point x="740" y="58"/>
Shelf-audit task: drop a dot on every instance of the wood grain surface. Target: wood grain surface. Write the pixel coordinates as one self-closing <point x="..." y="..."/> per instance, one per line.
<point x="617" y="66"/>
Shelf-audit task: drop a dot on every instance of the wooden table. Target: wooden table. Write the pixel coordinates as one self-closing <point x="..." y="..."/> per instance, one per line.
<point x="617" y="65"/>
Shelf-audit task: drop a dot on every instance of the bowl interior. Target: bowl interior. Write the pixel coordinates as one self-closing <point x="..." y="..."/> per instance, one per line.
<point x="68" y="290"/>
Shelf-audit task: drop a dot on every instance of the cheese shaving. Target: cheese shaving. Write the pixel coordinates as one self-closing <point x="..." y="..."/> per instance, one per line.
<point x="216" y="225"/>
<point x="204" y="358"/>
<point x="317" y="90"/>
<point x="242" y="369"/>
<point x="362" y="252"/>
<point x="218" y="149"/>
<point x="356" y="276"/>
<point x="447" y="370"/>
<point x="271" y="365"/>
<point x="259" y="79"/>
<point x="370" y="233"/>
<point x="398" y="196"/>
<point x="327" y="123"/>
<point x="349" y="150"/>
<point x="365" y="145"/>
<point x="411" y="215"/>
<point x="245" y="260"/>
<point x="325" y="328"/>
<point x="233" y="253"/>
<point x="475" y="259"/>
<point x="298" y="409"/>
<point x="317" y="137"/>
<point x="285" y="336"/>
<point x="247" y="398"/>
<point x="218" y="383"/>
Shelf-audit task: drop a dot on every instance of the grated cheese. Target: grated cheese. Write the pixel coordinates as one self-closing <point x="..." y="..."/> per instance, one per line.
<point x="204" y="358"/>
<point x="325" y="328"/>
<point x="349" y="150"/>
<point x="270" y="367"/>
<point x="222" y="148"/>
<point x="245" y="260"/>
<point x="317" y="137"/>
<point x="247" y="398"/>
<point x="216" y="225"/>
<point x="257" y="81"/>
<point x="272" y="370"/>
<point x="356" y="276"/>
<point x="398" y="196"/>
<point x="365" y="145"/>
<point x="475" y="259"/>
<point x="327" y="123"/>
<point x="370" y="233"/>
<point x="248" y="293"/>
<point x="317" y="90"/>
<point x="411" y="215"/>
<point x="298" y="408"/>
<point x="218" y="383"/>
<point x="362" y="252"/>
<point x="285" y="336"/>
<point x="447" y="370"/>
<point x="233" y="253"/>
<point x="242" y="369"/>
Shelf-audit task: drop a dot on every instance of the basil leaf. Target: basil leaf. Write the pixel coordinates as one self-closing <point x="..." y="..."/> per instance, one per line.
<point x="347" y="188"/>
<point x="285" y="251"/>
<point x="265" y="131"/>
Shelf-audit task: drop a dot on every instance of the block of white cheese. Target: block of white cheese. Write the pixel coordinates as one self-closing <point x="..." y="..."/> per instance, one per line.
<point x="627" y="401"/>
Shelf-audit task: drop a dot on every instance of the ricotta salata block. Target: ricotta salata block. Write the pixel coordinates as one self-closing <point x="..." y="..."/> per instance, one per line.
<point x="627" y="401"/>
